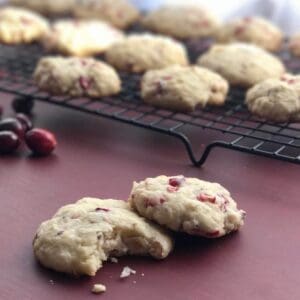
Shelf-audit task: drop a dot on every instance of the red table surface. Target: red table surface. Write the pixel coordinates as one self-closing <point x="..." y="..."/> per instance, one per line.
<point x="102" y="158"/>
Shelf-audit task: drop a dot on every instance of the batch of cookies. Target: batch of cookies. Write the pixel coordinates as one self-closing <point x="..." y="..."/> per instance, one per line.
<point x="241" y="55"/>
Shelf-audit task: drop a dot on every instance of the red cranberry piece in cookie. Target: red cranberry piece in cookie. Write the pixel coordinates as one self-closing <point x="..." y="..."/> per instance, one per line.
<point x="213" y="234"/>
<point x="239" y="30"/>
<point x="85" y="83"/>
<point x="176" y="181"/>
<point x="102" y="209"/>
<point x="206" y="198"/>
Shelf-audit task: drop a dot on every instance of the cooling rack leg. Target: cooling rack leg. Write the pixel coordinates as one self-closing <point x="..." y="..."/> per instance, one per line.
<point x="205" y="154"/>
<point x="23" y="104"/>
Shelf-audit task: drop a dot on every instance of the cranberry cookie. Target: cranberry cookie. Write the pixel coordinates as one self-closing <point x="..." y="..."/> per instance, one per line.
<point x="183" y="88"/>
<point x="81" y="38"/>
<point x="254" y="30"/>
<point x="189" y="205"/>
<point x="47" y="7"/>
<point x="274" y="100"/>
<point x="294" y="44"/>
<point x="182" y="22"/>
<point x="76" y="77"/>
<point x="81" y="236"/>
<point x="119" y="13"/>
<point x="242" y="64"/>
<point x="142" y="52"/>
<point x="18" y="25"/>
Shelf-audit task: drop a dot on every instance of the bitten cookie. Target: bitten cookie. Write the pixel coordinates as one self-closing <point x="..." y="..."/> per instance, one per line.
<point x="182" y="22"/>
<point x="242" y="64"/>
<point x="254" y="30"/>
<point x="18" y="25"/>
<point x="81" y="236"/>
<point x="76" y="77"/>
<point x="294" y="44"/>
<point x="142" y="52"/>
<point x="183" y="88"/>
<point x="47" y="7"/>
<point x="273" y="100"/>
<point x="189" y="205"/>
<point x="120" y="13"/>
<point x="81" y="38"/>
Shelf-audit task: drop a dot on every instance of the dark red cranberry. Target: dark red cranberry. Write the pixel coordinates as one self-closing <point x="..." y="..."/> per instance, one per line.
<point x="40" y="141"/>
<point x="13" y="125"/>
<point x="102" y="209"/>
<point x="176" y="181"/>
<point x="9" y="142"/>
<point x="1" y="111"/>
<point x="25" y="121"/>
<point x="23" y="105"/>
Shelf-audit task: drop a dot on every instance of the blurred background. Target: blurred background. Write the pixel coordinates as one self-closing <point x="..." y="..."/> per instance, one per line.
<point x="284" y="13"/>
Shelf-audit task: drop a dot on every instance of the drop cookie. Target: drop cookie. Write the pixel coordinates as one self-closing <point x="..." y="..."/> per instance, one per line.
<point x="141" y="52"/>
<point x="242" y="64"/>
<point x="19" y="25"/>
<point x="182" y="21"/>
<point x="274" y="100"/>
<point x="189" y="205"/>
<point x="81" y="38"/>
<point x="119" y="13"/>
<point x="253" y="30"/>
<point x="183" y="88"/>
<point x="81" y="236"/>
<point x="76" y="77"/>
<point x="47" y="7"/>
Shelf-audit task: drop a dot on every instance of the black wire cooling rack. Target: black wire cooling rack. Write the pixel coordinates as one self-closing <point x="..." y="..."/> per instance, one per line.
<point x="230" y="127"/>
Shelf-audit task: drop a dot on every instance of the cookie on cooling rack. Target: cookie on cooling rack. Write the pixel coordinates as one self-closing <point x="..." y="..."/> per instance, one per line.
<point x="141" y="52"/>
<point x="76" y="77"/>
<point x="254" y="30"/>
<point x="81" y="236"/>
<point x="81" y="38"/>
<point x="47" y="7"/>
<point x="182" y="22"/>
<point x="189" y="205"/>
<point x="242" y="64"/>
<point x="183" y="89"/>
<point x="18" y="26"/>
<point x="120" y="13"/>
<point x="294" y="44"/>
<point x="274" y="100"/>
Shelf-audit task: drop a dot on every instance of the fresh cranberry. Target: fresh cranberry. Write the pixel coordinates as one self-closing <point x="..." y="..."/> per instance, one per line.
<point x="40" y="141"/>
<point x="9" y="142"/>
<point x="176" y="181"/>
<point x="25" y="121"/>
<point x="13" y="125"/>
<point x="23" y="105"/>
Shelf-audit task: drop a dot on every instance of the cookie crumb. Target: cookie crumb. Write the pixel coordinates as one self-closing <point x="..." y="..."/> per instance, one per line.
<point x="98" y="288"/>
<point x="114" y="260"/>
<point x="126" y="272"/>
<point x="143" y="274"/>
<point x="134" y="281"/>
